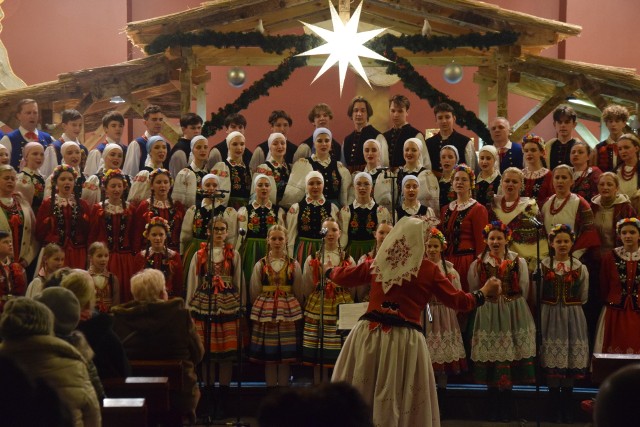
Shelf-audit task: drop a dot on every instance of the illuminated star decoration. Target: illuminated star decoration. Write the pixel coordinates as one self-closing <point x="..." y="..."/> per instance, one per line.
<point x="344" y="45"/>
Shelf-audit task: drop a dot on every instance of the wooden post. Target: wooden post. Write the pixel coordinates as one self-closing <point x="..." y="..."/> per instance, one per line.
<point x="186" y="86"/>
<point x="502" y="80"/>
<point x="201" y="100"/>
<point x="344" y="11"/>
<point x="483" y="105"/>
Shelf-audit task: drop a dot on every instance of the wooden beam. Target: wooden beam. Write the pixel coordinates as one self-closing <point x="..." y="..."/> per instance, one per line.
<point x="593" y="91"/>
<point x="186" y="85"/>
<point x="540" y="111"/>
<point x="586" y="134"/>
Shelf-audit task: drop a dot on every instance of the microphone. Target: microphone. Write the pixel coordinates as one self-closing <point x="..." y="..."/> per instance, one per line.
<point x="242" y="232"/>
<point x="323" y="232"/>
<point x="222" y="191"/>
<point x="537" y="224"/>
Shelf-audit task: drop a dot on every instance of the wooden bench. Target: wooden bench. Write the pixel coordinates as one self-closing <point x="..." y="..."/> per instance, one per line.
<point x="604" y="365"/>
<point x="124" y="412"/>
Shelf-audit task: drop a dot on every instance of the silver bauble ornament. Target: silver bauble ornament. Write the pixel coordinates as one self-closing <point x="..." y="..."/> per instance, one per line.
<point x="633" y="122"/>
<point x="453" y="73"/>
<point x="236" y="77"/>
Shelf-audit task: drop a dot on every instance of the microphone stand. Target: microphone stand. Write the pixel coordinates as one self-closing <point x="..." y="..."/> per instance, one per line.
<point x="537" y="280"/>
<point x="389" y="174"/>
<point x="321" y="286"/>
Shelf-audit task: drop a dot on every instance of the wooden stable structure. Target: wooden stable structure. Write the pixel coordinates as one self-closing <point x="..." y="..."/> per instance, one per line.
<point x="175" y="78"/>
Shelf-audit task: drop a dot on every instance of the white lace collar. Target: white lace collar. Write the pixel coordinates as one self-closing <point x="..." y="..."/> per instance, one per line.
<point x="528" y="174"/>
<point x="369" y="205"/>
<point x="326" y="162"/>
<point x="627" y="256"/>
<point x="460" y="207"/>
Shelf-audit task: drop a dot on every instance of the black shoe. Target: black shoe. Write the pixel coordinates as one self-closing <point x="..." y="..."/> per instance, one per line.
<point x="504" y="402"/>
<point x="221" y="401"/>
<point x="556" y="404"/>
<point x="567" y="405"/>
<point x="493" y="404"/>
<point x="442" y="400"/>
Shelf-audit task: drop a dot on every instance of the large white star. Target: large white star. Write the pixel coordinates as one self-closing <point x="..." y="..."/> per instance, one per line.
<point x="344" y="45"/>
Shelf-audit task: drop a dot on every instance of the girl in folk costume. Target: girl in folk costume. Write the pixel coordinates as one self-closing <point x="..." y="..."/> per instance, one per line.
<point x="518" y="213"/>
<point x="565" y="207"/>
<point x="619" y="321"/>
<point x="13" y="278"/>
<point x="159" y="204"/>
<point x="106" y="283"/>
<point x="17" y="218"/>
<point x="323" y="307"/>
<point x="564" y="354"/>
<point x="276" y="292"/>
<point x="5" y="156"/>
<point x="71" y="156"/>
<point x="488" y="180"/>
<point x="361" y="218"/>
<point x="52" y="261"/>
<point x="462" y="223"/>
<point x="188" y="186"/>
<point x="276" y="166"/>
<point x="112" y="223"/>
<point x="410" y="205"/>
<point x="141" y="188"/>
<point x="337" y="178"/>
<point x="215" y="295"/>
<point x="585" y="177"/>
<point x="112" y="158"/>
<point x="448" y="161"/>
<point x="158" y="256"/>
<point x="385" y="356"/>
<point x="444" y="339"/>
<point x="64" y="219"/>
<point x="429" y="190"/>
<point x="235" y="176"/>
<point x="504" y="334"/>
<point x="372" y="153"/>
<point x="304" y="219"/>
<point x="30" y="183"/>
<point x="256" y="218"/>
<point x="627" y="168"/>
<point x="197" y="220"/>
<point x="384" y="228"/>
<point x="538" y="182"/>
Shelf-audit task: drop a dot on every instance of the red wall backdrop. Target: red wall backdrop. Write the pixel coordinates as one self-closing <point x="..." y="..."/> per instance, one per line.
<point x="45" y="38"/>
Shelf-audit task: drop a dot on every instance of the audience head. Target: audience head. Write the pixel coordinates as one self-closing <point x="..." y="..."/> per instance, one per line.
<point x="81" y="284"/>
<point x="65" y="308"/>
<point x="618" y="399"/>
<point x="149" y="286"/>
<point x="23" y="317"/>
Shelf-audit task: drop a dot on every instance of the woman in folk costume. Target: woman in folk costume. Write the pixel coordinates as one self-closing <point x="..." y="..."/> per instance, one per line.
<point x="215" y="294"/>
<point x="585" y="177"/>
<point x="518" y="213"/>
<point x="159" y="257"/>
<point x="565" y="207"/>
<point x="256" y="218"/>
<point x="444" y="339"/>
<point x="462" y="223"/>
<point x="71" y="156"/>
<point x="385" y="356"/>
<point x="275" y="166"/>
<point x="538" y="182"/>
<point x="304" y="219"/>
<point x="276" y="294"/>
<point x="188" y="184"/>
<point x="197" y="220"/>
<point x="448" y="161"/>
<point x="619" y="321"/>
<point x="372" y="153"/>
<point x="503" y="346"/>
<point x="488" y="180"/>
<point x="112" y="158"/>
<point x="30" y="183"/>
<point x="361" y="218"/>
<point x="159" y="204"/>
<point x="564" y="355"/>
<point x="409" y="203"/>
<point x="17" y="218"/>
<point x="235" y="176"/>
<point x="627" y="168"/>
<point x="337" y="178"/>
<point x="429" y="189"/>
<point x="64" y="219"/>
<point x="321" y="341"/>
<point x="112" y="223"/>
<point x="141" y="186"/>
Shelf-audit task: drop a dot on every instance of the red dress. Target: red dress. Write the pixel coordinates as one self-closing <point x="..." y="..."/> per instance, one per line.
<point x="169" y="263"/>
<point x="539" y="188"/>
<point x="68" y="227"/>
<point x="586" y="185"/>
<point x="463" y="231"/>
<point x="619" y="284"/>
<point x="115" y="230"/>
<point x="174" y="215"/>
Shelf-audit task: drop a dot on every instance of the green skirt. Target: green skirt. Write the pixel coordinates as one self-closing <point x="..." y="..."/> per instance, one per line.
<point x="357" y="248"/>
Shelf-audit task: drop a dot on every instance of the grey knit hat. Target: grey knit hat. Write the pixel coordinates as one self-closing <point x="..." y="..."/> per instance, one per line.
<point x="65" y="307"/>
<point x="25" y="317"/>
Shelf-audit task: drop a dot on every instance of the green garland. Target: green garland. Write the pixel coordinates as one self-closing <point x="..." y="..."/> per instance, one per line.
<point x="384" y="45"/>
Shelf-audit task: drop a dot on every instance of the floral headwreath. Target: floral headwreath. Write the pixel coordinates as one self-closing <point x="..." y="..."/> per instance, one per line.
<point x="154" y="173"/>
<point x="627" y="221"/>
<point x="535" y="139"/>
<point x="114" y="173"/>
<point x="434" y="233"/>
<point x="464" y="168"/>
<point x="499" y="226"/>
<point x="156" y="221"/>
<point x="561" y="228"/>
<point x="57" y="171"/>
